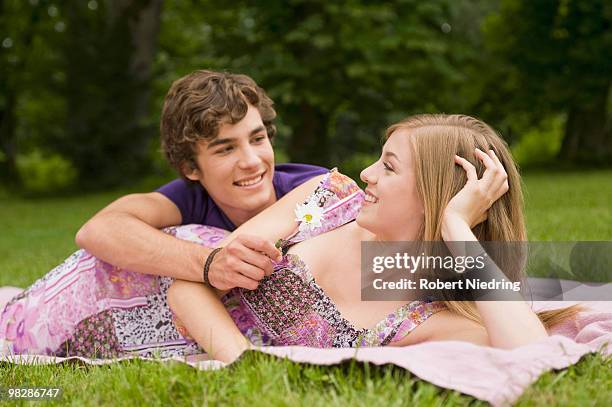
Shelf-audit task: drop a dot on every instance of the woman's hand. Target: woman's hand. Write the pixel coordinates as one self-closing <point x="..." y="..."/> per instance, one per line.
<point x="508" y="323"/>
<point x="471" y="204"/>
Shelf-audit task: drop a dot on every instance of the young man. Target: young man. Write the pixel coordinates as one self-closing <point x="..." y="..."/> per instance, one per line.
<point x="216" y="130"/>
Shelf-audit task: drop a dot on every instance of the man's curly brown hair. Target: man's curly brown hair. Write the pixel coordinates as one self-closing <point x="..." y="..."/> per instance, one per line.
<point x="198" y="104"/>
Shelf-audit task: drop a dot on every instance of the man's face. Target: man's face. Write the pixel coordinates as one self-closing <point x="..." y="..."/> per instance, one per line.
<point x="237" y="167"/>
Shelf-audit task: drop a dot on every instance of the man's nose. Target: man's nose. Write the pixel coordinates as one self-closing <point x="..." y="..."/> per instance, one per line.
<point x="249" y="157"/>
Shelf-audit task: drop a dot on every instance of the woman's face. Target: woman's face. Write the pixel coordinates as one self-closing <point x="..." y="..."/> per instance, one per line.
<point x="392" y="209"/>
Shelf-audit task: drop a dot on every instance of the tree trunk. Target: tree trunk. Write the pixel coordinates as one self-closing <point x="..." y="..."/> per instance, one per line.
<point x="8" y="167"/>
<point x="143" y="19"/>
<point x="587" y="136"/>
<point x="109" y="65"/>
<point x="309" y="141"/>
<point x="8" y="119"/>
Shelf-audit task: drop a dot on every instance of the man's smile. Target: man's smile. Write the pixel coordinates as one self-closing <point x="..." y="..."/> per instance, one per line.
<point x="250" y="181"/>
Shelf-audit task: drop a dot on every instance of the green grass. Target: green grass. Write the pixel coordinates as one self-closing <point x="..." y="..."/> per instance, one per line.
<point x="566" y="206"/>
<point x="39" y="234"/>
<point x="258" y="379"/>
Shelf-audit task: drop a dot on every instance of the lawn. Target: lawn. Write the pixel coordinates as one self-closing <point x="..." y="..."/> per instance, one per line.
<point x="39" y="234"/>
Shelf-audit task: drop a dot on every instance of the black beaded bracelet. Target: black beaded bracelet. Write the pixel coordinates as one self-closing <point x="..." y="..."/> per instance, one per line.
<point x="207" y="264"/>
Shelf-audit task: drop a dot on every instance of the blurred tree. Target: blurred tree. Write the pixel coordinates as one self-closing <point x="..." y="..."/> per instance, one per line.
<point x="108" y="53"/>
<point x="19" y="25"/>
<point x="76" y="81"/>
<point x="558" y="58"/>
<point x="79" y="78"/>
<point x="30" y="106"/>
<point x="339" y="71"/>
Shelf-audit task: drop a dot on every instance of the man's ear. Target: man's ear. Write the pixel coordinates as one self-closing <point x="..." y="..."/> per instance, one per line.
<point x="190" y="171"/>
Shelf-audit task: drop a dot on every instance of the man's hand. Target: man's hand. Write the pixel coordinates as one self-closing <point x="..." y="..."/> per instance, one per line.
<point x="243" y="263"/>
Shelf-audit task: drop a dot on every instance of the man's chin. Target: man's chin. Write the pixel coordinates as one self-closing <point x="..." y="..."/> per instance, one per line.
<point x="258" y="201"/>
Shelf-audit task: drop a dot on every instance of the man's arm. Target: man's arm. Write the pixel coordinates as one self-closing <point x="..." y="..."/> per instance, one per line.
<point x="126" y="234"/>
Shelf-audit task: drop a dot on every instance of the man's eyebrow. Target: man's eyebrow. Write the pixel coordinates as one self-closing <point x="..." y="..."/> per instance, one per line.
<point x="257" y="130"/>
<point x="221" y="141"/>
<point x="391" y="154"/>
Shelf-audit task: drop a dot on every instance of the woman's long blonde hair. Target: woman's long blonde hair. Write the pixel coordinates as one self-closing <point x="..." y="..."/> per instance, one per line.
<point x="435" y="139"/>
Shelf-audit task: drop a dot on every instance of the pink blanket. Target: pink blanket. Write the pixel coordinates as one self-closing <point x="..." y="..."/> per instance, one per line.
<point x="494" y="375"/>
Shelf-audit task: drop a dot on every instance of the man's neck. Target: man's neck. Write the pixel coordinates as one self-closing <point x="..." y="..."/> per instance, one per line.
<point x="239" y="216"/>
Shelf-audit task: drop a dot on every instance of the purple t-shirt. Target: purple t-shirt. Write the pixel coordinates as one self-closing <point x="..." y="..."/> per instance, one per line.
<point x="196" y="206"/>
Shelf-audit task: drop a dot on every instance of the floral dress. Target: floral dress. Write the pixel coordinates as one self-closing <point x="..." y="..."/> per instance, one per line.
<point x="87" y="307"/>
<point x="290" y="308"/>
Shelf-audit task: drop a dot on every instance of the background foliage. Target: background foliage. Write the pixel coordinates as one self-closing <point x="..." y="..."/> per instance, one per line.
<point x="81" y="88"/>
<point x="83" y="82"/>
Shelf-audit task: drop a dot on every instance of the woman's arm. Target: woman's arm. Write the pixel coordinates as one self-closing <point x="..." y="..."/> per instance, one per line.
<point x="247" y="253"/>
<point x="214" y="330"/>
<point x="508" y="323"/>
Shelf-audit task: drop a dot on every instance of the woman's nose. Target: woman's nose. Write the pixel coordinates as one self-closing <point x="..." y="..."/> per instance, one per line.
<point x="367" y="175"/>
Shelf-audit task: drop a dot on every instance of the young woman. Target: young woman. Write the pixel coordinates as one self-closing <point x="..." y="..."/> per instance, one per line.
<point x="439" y="177"/>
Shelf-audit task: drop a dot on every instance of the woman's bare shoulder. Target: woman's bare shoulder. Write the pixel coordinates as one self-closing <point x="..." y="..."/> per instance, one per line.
<point x="447" y="326"/>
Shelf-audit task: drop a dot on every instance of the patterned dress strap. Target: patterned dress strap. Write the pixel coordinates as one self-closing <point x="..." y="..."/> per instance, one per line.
<point x="418" y="312"/>
<point x="335" y="202"/>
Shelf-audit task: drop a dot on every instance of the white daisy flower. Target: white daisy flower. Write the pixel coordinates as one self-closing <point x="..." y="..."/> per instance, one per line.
<point x="310" y="215"/>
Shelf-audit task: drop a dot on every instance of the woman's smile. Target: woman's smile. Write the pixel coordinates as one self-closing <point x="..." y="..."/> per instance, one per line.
<point x="370" y="198"/>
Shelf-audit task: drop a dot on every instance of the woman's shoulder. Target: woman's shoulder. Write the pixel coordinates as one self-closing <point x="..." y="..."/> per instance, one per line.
<point x="335" y="189"/>
<point x="336" y="192"/>
<point x="335" y="201"/>
<point x="338" y="183"/>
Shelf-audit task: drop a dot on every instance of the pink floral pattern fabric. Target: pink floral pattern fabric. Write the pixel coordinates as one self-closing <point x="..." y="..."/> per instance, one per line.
<point x="87" y="307"/>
